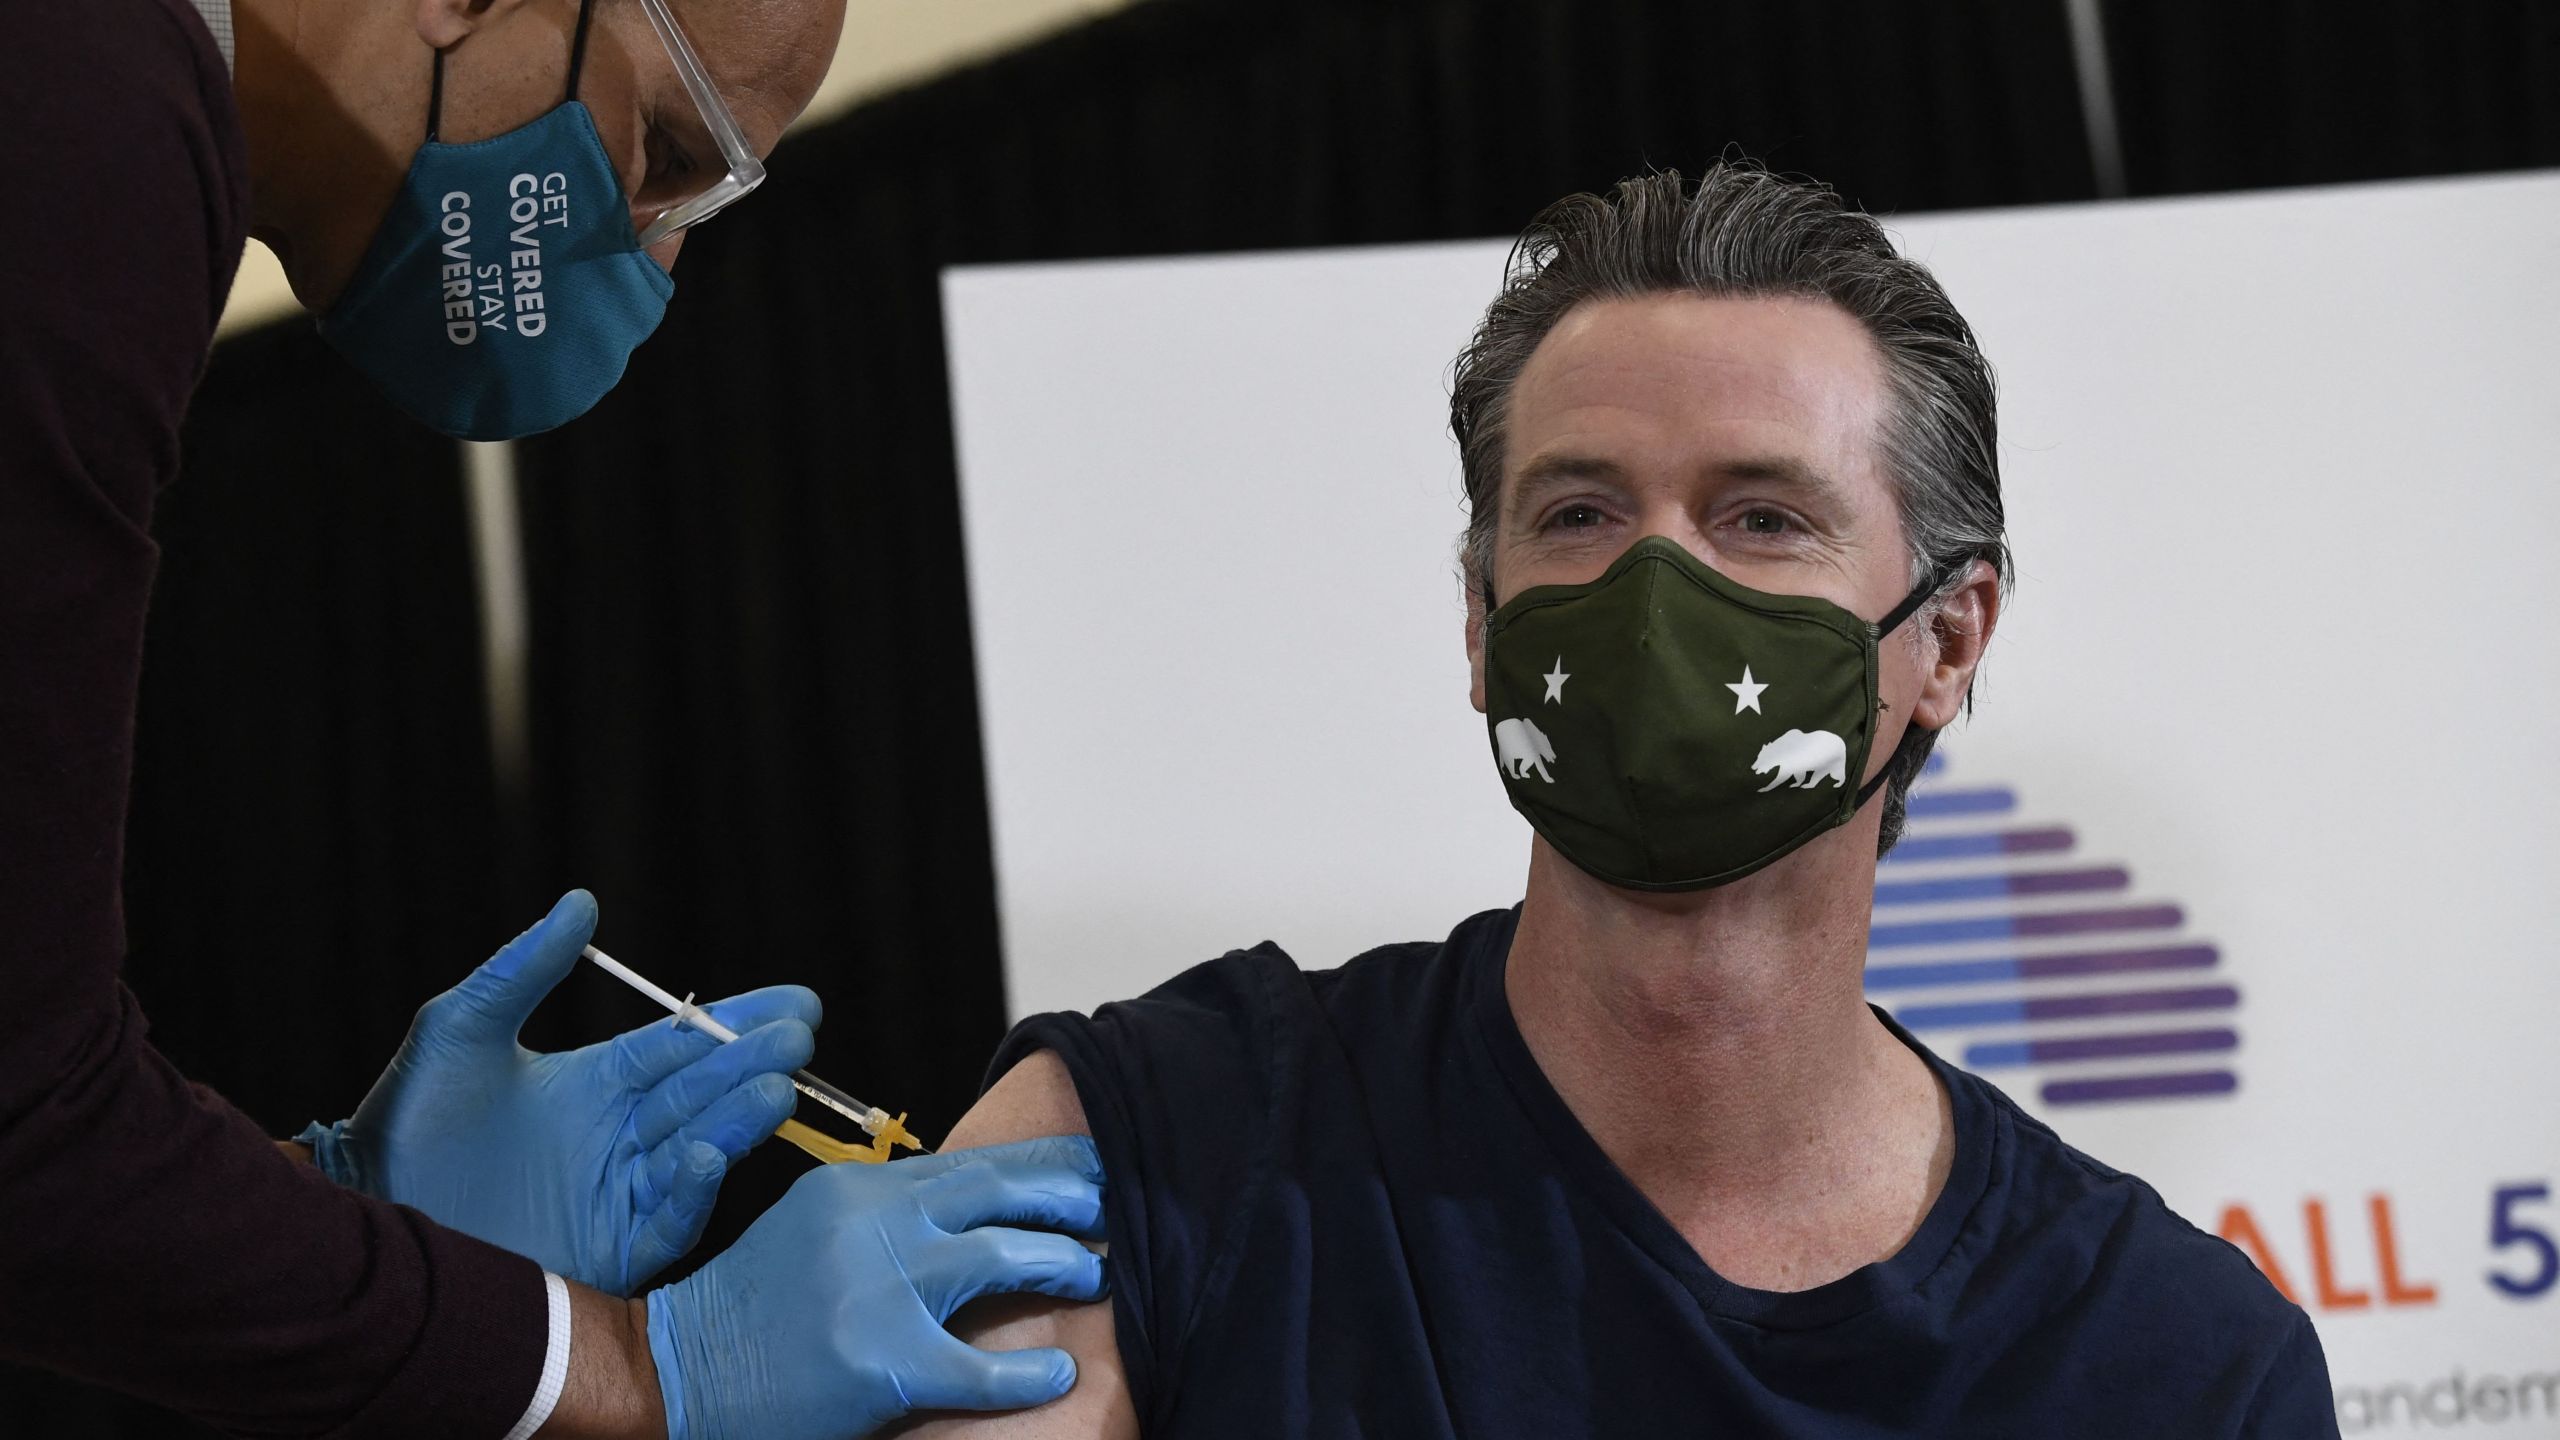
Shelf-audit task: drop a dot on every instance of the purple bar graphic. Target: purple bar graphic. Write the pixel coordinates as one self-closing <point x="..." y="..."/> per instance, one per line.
<point x="2112" y="962"/>
<point x="2132" y="1002"/>
<point x="2140" y="1087"/>
<point x="2082" y="922"/>
<point x="2037" y="967"/>
<point x="1951" y="888"/>
<point x="2041" y="967"/>
<point x="2067" y="1007"/>
<point x="2058" y="882"/>
<point x="1976" y="844"/>
<point x="2025" y="927"/>
<point x="2099" y="1047"/>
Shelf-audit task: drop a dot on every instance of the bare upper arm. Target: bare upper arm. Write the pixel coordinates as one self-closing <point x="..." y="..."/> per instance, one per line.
<point x="1037" y="1098"/>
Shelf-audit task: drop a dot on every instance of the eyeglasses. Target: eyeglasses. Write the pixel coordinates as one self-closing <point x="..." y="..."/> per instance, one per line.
<point x="746" y="172"/>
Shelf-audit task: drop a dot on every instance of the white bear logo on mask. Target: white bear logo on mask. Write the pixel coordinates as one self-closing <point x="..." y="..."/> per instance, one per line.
<point x="1520" y="747"/>
<point x="1805" y="758"/>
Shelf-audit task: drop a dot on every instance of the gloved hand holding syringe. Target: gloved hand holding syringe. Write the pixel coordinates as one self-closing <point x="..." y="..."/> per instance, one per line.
<point x="886" y="1131"/>
<point x="602" y="1164"/>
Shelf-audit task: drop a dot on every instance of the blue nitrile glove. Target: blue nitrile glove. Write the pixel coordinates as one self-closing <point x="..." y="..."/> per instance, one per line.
<point x="600" y="1163"/>
<point x="825" y="1320"/>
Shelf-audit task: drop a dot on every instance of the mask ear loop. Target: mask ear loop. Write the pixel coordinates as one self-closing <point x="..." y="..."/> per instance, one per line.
<point x="577" y="66"/>
<point x="578" y="49"/>
<point x="435" y="98"/>
<point x="1912" y="602"/>
<point x="1892" y="621"/>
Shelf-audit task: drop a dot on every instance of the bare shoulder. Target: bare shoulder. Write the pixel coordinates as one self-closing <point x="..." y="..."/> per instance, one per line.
<point x="1037" y="1098"/>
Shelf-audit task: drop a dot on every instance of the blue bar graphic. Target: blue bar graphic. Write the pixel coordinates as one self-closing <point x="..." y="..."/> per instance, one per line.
<point x="2011" y="927"/>
<point x="1946" y="972"/>
<point x="1982" y="1012"/>
<point x="1939" y="804"/>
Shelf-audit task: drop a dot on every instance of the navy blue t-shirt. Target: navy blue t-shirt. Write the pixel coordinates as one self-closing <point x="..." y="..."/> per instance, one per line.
<point x="1347" y="1202"/>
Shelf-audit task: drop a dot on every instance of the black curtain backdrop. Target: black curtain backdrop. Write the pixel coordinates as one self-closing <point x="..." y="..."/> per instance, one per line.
<point x="2231" y="96"/>
<point x="308" y="852"/>
<point x="754" y="713"/>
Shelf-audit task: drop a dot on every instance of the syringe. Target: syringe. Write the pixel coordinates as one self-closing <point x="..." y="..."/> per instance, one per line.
<point x="871" y="1118"/>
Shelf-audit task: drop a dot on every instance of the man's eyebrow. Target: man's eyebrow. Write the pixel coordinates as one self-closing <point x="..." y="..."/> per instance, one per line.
<point x="1557" y="472"/>
<point x="1561" y="472"/>
<point x="1784" y="470"/>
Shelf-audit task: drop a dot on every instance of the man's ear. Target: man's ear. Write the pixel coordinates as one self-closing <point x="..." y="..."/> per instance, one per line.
<point x="1961" y="624"/>
<point x="444" y="24"/>
<point x="1475" y="640"/>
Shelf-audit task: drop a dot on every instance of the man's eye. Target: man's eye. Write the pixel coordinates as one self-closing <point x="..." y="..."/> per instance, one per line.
<point x="1765" y="522"/>
<point x="1576" y="517"/>
<point x="668" y="160"/>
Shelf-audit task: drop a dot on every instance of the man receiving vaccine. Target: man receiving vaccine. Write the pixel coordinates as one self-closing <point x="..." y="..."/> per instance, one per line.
<point x="1635" y="1156"/>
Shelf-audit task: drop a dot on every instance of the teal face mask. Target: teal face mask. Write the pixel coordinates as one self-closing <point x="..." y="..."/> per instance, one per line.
<point x="1665" y="728"/>
<point x="505" y="290"/>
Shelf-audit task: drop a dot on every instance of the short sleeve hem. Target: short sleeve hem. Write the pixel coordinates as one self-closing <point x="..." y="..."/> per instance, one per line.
<point x="1182" y="1089"/>
<point x="1124" y="1214"/>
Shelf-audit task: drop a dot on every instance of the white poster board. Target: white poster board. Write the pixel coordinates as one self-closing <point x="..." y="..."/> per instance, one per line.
<point x="2274" y="699"/>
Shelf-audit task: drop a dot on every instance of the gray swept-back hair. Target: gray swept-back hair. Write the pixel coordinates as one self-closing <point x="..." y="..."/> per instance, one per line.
<point x="1743" y="231"/>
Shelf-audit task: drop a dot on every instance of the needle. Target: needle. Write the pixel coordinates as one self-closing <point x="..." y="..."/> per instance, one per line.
<point x="871" y="1118"/>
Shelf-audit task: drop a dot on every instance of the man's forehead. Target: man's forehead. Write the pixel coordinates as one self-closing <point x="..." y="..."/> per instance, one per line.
<point x="1783" y="389"/>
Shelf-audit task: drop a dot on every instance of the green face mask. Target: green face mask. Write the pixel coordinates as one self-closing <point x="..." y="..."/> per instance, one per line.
<point x="1667" y="729"/>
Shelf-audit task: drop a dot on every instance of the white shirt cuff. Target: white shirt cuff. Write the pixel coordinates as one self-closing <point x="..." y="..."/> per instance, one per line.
<point x="555" y="1361"/>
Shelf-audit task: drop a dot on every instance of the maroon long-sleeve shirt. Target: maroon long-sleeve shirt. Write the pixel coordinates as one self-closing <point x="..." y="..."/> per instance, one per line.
<point x="152" y="1239"/>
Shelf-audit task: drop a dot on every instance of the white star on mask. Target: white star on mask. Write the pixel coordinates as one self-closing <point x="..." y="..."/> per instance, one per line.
<point x="1555" y="682"/>
<point x="1746" y="696"/>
